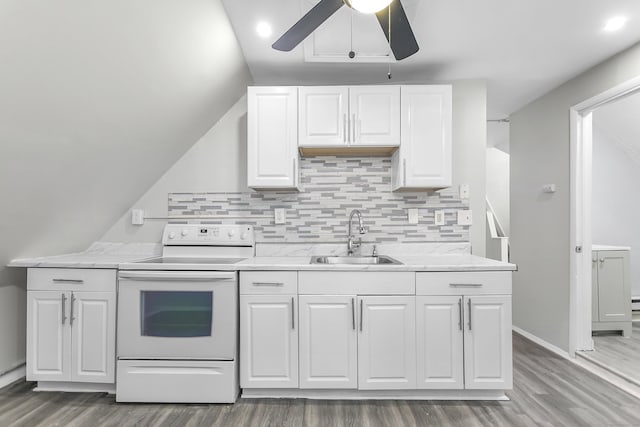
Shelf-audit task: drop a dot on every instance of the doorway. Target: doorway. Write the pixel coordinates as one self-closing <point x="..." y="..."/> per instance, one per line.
<point x="582" y="238"/>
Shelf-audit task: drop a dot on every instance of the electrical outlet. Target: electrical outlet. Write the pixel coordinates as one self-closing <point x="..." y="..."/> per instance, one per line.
<point x="464" y="218"/>
<point x="280" y="216"/>
<point x="413" y="216"/>
<point x="438" y="217"/>
<point x="464" y="191"/>
<point x="137" y="216"/>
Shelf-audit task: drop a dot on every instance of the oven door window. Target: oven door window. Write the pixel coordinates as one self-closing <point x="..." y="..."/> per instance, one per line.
<point x="176" y="314"/>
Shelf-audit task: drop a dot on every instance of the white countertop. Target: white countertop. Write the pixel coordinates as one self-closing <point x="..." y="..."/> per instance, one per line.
<point x="98" y="255"/>
<point x="610" y="248"/>
<point x="112" y="255"/>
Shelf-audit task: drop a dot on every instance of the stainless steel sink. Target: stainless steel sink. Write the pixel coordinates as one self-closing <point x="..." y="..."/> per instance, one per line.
<point x="357" y="260"/>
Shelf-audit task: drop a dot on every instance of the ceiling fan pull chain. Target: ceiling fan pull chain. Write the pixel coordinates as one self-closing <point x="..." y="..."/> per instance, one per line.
<point x="389" y="72"/>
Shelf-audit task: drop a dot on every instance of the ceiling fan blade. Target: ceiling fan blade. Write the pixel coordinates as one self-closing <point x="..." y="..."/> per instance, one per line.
<point x="403" y="42"/>
<point x="307" y="24"/>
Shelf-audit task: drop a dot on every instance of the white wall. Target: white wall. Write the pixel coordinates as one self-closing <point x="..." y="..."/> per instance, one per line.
<point x="218" y="163"/>
<point x="97" y="100"/>
<point x="498" y="185"/>
<point x="615" y="206"/>
<point x="469" y="145"/>
<point x="539" y="147"/>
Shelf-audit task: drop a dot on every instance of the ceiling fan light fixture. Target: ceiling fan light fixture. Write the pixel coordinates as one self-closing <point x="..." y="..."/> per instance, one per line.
<point x="368" y="6"/>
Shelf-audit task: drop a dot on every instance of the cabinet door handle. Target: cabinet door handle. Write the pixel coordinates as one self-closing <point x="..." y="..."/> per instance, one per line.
<point x="601" y="261"/>
<point x="71" y="318"/>
<point x="404" y="171"/>
<point x="267" y="283"/>
<point x="460" y="314"/>
<point x="293" y="314"/>
<point x="465" y="285"/>
<point x="354" y="128"/>
<point x="353" y="313"/>
<point x="74" y="281"/>
<point x="469" y="303"/>
<point x="361" y="310"/>
<point x="344" y="127"/>
<point x="64" y="303"/>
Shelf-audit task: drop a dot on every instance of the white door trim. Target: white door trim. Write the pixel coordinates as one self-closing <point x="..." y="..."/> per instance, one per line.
<point x="580" y="212"/>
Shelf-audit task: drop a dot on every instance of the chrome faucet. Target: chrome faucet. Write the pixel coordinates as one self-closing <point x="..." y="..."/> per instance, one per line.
<point x="352" y="242"/>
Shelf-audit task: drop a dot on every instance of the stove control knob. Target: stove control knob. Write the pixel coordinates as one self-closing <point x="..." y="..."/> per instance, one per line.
<point x="216" y="232"/>
<point x="172" y="235"/>
<point x="231" y="233"/>
<point x="184" y="233"/>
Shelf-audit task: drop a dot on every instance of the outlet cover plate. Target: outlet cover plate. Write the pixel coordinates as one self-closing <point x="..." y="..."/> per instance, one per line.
<point x="465" y="218"/>
<point x="464" y="191"/>
<point x="137" y="216"/>
<point x="438" y="217"/>
<point x="413" y="216"/>
<point x="280" y="216"/>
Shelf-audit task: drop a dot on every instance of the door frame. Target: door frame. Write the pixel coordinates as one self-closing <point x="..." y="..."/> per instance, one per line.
<point x="581" y="133"/>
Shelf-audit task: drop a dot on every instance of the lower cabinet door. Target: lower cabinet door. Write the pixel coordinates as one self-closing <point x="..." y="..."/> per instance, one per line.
<point x="386" y="343"/>
<point x="328" y="342"/>
<point x="93" y="325"/>
<point x="487" y="342"/>
<point x="439" y="323"/>
<point x="268" y="341"/>
<point x="48" y="336"/>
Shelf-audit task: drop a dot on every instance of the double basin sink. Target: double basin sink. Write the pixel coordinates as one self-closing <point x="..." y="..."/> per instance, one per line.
<point x="355" y="260"/>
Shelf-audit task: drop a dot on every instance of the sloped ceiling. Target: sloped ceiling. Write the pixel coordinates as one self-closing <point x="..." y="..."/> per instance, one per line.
<point x="97" y="101"/>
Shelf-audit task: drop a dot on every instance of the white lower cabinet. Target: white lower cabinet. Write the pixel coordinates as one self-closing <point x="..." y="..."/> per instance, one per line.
<point x="328" y="342"/>
<point x="464" y="340"/>
<point x="269" y="341"/>
<point x="71" y="336"/>
<point x="386" y="343"/>
<point x="440" y="342"/>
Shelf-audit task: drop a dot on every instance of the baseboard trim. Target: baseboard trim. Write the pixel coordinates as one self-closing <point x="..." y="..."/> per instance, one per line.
<point x="13" y="375"/>
<point x="608" y="376"/>
<point x="552" y="348"/>
<point x="374" y="394"/>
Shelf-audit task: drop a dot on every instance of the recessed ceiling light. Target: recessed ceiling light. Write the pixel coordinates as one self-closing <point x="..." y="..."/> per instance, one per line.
<point x="263" y="29"/>
<point x="615" y="24"/>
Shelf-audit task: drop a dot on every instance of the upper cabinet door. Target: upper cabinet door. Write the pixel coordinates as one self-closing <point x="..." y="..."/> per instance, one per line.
<point x="323" y="116"/>
<point x="424" y="159"/>
<point x="374" y="115"/>
<point x="272" y="130"/>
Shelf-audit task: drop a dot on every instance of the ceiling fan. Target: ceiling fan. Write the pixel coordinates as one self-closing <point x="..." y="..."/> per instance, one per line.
<point x="390" y="14"/>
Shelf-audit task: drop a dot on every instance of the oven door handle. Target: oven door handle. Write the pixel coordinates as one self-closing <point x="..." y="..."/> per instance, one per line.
<point x="182" y="276"/>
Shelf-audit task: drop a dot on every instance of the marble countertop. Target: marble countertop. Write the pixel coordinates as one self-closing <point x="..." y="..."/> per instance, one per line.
<point x="115" y="255"/>
<point x="431" y="262"/>
<point x="98" y="255"/>
<point x="610" y="248"/>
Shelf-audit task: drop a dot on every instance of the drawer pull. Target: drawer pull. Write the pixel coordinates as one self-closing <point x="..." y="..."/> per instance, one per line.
<point x="64" y="302"/>
<point x="465" y="285"/>
<point x="293" y="313"/>
<point x="76" y="281"/>
<point x="268" y="283"/>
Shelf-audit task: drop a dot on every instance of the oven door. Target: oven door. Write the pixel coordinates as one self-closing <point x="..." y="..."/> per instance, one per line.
<point x="177" y="315"/>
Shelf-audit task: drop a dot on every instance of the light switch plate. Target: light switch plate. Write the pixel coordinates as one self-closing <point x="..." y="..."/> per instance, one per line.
<point x="413" y="216"/>
<point x="464" y="218"/>
<point x="280" y="216"/>
<point x="549" y="188"/>
<point x="464" y="191"/>
<point x="137" y="216"/>
<point x="438" y="217"/>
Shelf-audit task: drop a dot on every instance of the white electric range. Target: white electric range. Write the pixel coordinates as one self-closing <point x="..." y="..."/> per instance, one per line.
<point x="178" y="317"/>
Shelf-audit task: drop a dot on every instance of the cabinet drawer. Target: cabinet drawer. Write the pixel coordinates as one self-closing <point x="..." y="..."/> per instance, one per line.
<point x="463" y="283"/>
<point x="71" y="279"/>
<point x="269" y="282"/>
<point x="357" y="283"/>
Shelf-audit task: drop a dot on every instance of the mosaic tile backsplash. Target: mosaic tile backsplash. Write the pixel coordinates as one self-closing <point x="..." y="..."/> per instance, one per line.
<point x="330" y="188"/>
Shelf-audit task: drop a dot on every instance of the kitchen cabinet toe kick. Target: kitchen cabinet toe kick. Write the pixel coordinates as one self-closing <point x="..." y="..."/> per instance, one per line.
<point x="294" y="393"/>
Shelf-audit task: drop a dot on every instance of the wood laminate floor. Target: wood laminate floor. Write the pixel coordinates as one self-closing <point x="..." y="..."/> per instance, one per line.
<point x="548" y="391"/>
<point x="617" y="354"/>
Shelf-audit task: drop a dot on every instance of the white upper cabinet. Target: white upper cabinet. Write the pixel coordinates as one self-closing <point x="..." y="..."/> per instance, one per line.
<point x="424" y="160"/>
<point x="349" y="117"/>
<point x="323" y="116"/>
<point x="272" y="132"/>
